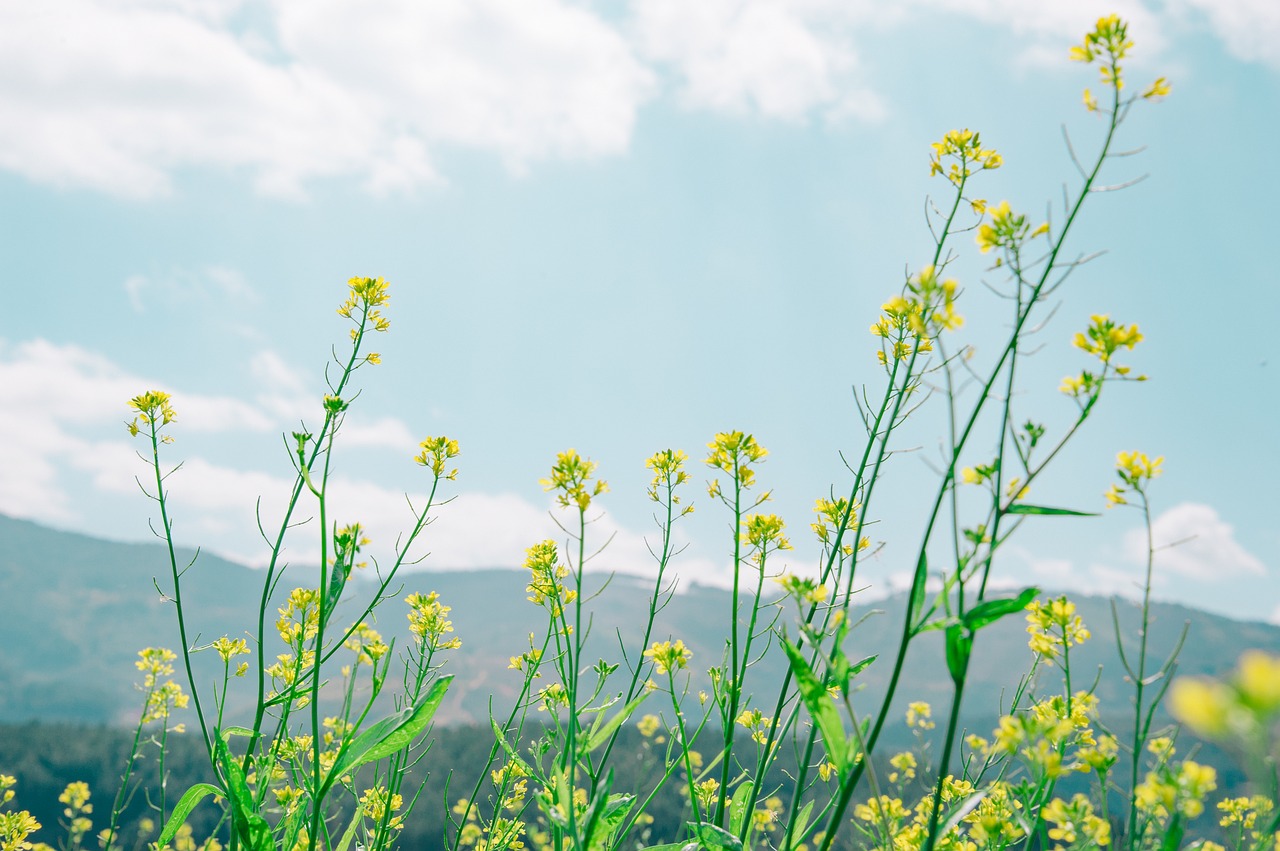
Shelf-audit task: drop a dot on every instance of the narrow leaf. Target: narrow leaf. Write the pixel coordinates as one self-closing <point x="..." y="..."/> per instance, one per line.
<point x="990" y="611"/>
<point x="185" y="805"/>
<point x="600" y="733"/>
<point x="251" y="827"/>
<point x="716" y="838"/>
<point x="1023" y="508"/>
<point x="740" y="807"/>
<point x="959" y="645"/>
<point x="916" y="607"/>
<point x="821" y="707"/>
<point x="392" y="734"/>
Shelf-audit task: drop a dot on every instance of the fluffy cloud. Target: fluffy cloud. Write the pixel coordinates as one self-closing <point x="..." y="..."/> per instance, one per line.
<point x="62" y="429"/>
<point x="115" y="96"/>
<point x="182" y="287"/>
<point x="61" y="400"/>
<point x="1192" y="540"/>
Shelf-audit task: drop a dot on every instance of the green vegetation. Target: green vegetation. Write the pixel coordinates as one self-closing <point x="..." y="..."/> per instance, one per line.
<point x="319" y="760"/>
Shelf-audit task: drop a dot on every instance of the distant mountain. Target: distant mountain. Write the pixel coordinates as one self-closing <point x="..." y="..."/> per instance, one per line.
<point x="74" y="611"/>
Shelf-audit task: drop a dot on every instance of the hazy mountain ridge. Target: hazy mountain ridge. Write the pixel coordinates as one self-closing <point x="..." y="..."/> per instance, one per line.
<point x="75" y="610"/>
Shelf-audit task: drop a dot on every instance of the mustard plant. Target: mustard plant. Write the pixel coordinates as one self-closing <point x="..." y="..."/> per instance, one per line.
<point x="310" y="770"/>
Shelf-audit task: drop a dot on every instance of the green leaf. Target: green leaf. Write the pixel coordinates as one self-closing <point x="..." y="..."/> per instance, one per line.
<point x="292" y="826"/>
<point x="601" y="730"/>
<point x="591" y="817"/>
<point x="916" y="607"/>
<point x="716" y="838"/>
<point x="1173" y="838"/>
<point x="740" y="807"/>
<point x="1023" y="508"/>
<point x="615" y="811"/>
<point x="252" y="828"/>
<point x="821" y="707"/>
<point x="990" y="611"/>
<point x="862" y="666"/>
<point x="390" y="735"/>
<point x="959" y="646"/>
<point x="350" y="832"/>
<point x="802" y="822"/>
<point x="936" y="623"/>
<point x="185" y="805"/>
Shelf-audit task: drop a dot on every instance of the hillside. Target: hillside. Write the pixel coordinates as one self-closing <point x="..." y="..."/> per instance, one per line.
<point x="74" y="611"/>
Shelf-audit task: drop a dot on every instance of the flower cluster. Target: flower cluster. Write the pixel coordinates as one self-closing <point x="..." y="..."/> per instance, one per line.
<point x="1236" y="709"/>
<point x="1134" y="470"/>
<point x="435" y="453"/>
<point x="764" y="532"/>
<point x="836" y="514"/>
<point x="365" y="298"/>
<point x="735" y="453"/>
<point x="154" y="413"/>
<point x="911" y="320"/>
<point x="1054" y="627"/>
<point x="964" y="148"/>
<point x="669" y="656"/>
<point x="668" y="474"/>
<point x="571" y="478"/>
<point x="1006" y="229"/>
<point x="542" y="560"/>
<point x="429" y="622"/>
<point x="366" y="643"/>
<point x="804" y="590"/>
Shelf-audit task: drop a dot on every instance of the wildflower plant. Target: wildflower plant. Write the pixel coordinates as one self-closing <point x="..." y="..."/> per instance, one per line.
<point x="310" y="769"/>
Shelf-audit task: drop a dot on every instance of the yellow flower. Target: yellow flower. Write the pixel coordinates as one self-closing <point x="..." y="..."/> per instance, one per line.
<point x="229" y="647"/>
<point x="1258" y="680"/>
<point x="571" y="477"/>
<point x="1090" y="102"/>
<point x="1203" y="705"/>
<point x="154" y="411"/>
<point x="668" y="656"/>
<point x="735" y="453"/>
<point x="764" y="532"/>
<point x="1160" y="88"/>
<point x="918" y="715"/>
<point x="435" y="453"/>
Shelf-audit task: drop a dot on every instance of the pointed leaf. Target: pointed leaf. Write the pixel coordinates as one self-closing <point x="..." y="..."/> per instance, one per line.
<point x="600" y="732"/>
<point x="802" y="822"/>
<point x="821" y="707"/>
<point x="350" y="832"/>
<point x="740" y="807"/>
<point x="959" y="646"/>
<point x="615" y="811"/>
<point x="392" y="734"/>
<point x="716" y="838"/>
<point x="251" y="827"/>
<point x="1023" y="508"/>
<point x="916" y="607"/>
<point x="990" y="611"/>
<point x="183" y="808"/>
<point x="862" y="666"/>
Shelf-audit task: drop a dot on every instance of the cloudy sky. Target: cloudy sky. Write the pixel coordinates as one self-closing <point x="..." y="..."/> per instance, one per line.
<point x="619" y="226"/>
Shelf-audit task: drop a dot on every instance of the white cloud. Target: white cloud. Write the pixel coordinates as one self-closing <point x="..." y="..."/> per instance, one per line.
<point x="1193" y="541"/>
<point x="1249" y="28"/>
<point x="181" y="287"/>
<point x="62" y="432"/>
<point x="64" y="404"/>
<point x="780" y="59"/>
<point x="116" y="96"/>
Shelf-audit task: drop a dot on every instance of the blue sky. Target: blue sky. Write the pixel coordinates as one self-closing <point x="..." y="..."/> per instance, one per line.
<point x="618" y="227"/>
